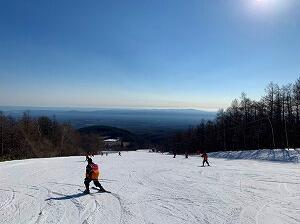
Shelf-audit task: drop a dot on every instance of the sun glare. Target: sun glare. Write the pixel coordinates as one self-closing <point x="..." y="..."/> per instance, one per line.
<point x="270" y="7"/>
<point x="258" y="2"/>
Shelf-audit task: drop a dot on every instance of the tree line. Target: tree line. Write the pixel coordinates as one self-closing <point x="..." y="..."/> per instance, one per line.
<point x="271" y="122"/>
<point x="30" y="137"/>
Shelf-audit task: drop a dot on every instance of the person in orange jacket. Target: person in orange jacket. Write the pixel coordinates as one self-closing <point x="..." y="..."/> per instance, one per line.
<point x="205" y="158"/>
<point x="92" y="174"/>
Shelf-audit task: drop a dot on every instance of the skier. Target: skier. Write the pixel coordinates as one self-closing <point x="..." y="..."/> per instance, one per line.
<point x="186" y="154"/>
<point x="174" y="153"/>
<point x="119" y="153"/>
<point x="92" y="174"/>
<point x="205" y="157"/>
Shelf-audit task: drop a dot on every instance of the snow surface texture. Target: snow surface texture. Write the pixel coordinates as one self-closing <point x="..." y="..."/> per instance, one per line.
<point x="150" y="188"/>
<point x="282" y="155"/>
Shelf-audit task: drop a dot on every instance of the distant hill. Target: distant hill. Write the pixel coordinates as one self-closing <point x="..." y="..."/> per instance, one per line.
<point x="137" y="121"/>
<point x="111" y="132"/>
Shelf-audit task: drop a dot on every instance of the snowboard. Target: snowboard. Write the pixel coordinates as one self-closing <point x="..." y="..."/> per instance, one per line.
<point x="101" y="191"/>
<point x="94" y="192"/>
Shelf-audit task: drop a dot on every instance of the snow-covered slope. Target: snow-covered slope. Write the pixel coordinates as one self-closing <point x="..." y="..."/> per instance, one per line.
<point x="282" y="155"/>
<point x="150" y="188"/>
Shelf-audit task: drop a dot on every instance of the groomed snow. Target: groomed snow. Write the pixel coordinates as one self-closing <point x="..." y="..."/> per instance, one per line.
<point x="280" y="155"/>
<point x="150" y="188"/>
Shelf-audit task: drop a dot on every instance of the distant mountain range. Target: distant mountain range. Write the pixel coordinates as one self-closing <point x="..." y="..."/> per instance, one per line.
<point x="135" y="120"/>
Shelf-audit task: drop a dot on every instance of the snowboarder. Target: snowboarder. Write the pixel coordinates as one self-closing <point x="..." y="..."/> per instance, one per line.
<point x="205" y="157"/>
<point x="174" y="153"/>
<point x="92" y="174"/>
<point x="119" y="153"/>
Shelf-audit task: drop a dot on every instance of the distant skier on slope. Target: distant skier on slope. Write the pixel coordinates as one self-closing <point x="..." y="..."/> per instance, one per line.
<point x="186" y="154"/>
<point x="92" y="174"/>
<point x="205" y="158"/>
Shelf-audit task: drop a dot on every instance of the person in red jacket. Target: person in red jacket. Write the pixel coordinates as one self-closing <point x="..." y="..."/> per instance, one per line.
<point x="205" y="158"/>
<point x="92" y="174"/>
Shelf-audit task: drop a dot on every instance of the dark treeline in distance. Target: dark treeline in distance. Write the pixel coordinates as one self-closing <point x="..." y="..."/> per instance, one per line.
<point x="271" y="122"/>
<point x="29" y="137"/>
<point x="35" y="137"/>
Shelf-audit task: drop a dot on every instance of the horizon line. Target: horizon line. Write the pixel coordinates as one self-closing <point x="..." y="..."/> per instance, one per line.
<point x="78" y="108"/>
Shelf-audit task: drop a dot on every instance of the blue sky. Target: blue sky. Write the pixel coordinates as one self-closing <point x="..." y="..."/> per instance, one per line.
<point x="145" y="54"/>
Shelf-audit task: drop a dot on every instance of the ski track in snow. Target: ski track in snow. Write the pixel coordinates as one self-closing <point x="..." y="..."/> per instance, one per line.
<point x="150" y="188"/>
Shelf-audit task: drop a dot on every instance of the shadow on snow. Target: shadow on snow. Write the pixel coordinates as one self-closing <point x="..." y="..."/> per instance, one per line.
<point x="66" y="197"/>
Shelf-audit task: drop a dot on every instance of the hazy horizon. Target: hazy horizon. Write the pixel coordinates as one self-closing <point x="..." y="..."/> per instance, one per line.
<point x="8" y="107"/>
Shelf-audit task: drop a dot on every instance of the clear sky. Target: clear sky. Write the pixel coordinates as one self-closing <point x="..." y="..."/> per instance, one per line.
<point x="145" y="53"/>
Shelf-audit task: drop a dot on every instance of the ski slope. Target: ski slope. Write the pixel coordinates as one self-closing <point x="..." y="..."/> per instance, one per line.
<point x="150" y="188"/>
<point x="278" y="155"/>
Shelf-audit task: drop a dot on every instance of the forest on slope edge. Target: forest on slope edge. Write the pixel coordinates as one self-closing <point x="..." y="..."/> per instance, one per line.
<point x="31" y="137"/>
<point x="271" y="122"/>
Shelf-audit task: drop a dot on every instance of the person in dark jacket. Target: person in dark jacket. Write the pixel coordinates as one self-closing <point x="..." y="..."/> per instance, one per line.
<point x="186" y="154"/>
<point x="205" y="158"/>
<point x="92" y="174"/>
